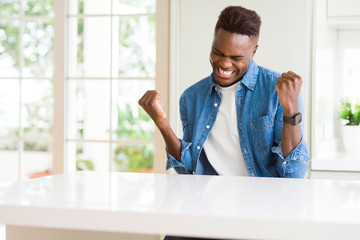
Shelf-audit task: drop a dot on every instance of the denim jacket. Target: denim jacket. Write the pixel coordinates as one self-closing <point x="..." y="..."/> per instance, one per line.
<point x="259" y="121"/>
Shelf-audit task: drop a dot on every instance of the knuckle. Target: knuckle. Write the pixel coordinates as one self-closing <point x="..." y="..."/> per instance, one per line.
<point x="152" y="102"/>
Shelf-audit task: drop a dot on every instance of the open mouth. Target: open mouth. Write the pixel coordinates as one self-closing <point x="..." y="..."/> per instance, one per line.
<point x="225" y="74"/>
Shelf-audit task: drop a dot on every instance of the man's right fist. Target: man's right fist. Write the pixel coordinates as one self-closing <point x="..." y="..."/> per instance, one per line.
<point x="150" y="102"/>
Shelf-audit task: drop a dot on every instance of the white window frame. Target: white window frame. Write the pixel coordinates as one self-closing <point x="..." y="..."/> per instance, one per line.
<point x="20" y="139"/>
<point x="59" y="87"/>
<point x="336" y="21"/>
<point x="60" y="164"/>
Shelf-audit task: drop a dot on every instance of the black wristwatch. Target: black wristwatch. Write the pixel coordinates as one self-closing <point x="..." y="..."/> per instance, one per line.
<point x="295" y="120"/>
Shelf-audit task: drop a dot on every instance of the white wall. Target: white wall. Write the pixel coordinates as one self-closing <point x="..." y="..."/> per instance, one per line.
<point x="285" y="42"/>
<point x="325" y="60"/>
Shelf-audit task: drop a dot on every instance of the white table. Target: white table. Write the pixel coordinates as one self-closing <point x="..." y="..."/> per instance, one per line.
<point x="186" y="205"/>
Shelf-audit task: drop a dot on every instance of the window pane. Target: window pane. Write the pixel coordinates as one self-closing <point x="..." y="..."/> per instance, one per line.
<point x="324" y="101"/>
<point x="134" y="158"/>
<point x="38" y="7"/>
<point x="9" y="8"/>
<point x="9" y="49"/>
<point x="89" y="47"/>
<point x="9" y="108"/>
<point x="134" y="6"/>
<point x="88" y="109"/>
<point x="36" y="159"/>
<point x="130" y="121"/>
<point x="351" y="74"/>
<point x="38" y="49"/>
<point x="89" y="156"/>
<point x="89" y="7"/>
<point x="9" y="161"/>
<point x="135" y="51"/>
<point x="37" y="108"/>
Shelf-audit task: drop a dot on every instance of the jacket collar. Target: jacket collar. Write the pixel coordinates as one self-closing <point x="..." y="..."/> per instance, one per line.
<point x="249" y="79"/>
<point x="251" y="75"/>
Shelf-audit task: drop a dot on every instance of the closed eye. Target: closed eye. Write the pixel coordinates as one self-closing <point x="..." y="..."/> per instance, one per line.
<point x="234" y="58"/>
<point x="237" y="58"/>
<point x="217" y="53"/>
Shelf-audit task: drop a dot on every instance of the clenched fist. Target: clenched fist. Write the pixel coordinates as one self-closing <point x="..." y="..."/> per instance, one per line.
<point x="288" y="87"/>
<point x="150" y="102"/>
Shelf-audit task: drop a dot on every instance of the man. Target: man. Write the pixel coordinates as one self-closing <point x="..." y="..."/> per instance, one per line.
<point x="243" y="119"/>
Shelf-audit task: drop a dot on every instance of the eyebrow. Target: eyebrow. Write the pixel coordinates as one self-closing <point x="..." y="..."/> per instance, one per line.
<point x="217" y="51"/>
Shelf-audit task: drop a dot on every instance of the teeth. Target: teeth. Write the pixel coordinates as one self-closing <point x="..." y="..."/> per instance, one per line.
<point x="225" y="72"/>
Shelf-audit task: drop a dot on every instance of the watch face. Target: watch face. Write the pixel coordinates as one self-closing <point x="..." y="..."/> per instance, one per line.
<point x="297" y="118"/>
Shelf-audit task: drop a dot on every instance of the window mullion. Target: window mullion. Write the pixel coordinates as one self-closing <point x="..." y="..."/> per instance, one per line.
<point x="26" y="18"/>
<point x="113" y="15"/>
<point x="111" y="83"/>
<point x="59" y="88"/>
<point x="21" y="65"/>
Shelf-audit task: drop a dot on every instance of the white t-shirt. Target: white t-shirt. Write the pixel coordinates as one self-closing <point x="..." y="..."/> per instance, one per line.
<point x="222" y="146"/>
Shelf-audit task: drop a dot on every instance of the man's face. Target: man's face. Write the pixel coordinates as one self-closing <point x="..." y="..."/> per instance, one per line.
<point x="230" y="56"/>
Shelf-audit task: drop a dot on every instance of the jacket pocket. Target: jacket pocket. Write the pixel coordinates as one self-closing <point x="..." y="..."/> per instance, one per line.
<point x="262" y="132"/>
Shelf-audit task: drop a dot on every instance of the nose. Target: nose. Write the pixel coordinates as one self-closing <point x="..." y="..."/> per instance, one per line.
<point x="225" y="62"/>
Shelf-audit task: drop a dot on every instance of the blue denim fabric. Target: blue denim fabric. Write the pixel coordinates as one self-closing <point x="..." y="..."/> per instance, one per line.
<point x="259" y="118"/>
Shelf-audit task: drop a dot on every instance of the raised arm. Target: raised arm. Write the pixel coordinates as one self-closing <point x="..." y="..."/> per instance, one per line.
<point x="288" y="87"/>
<point x="150" y="102"/>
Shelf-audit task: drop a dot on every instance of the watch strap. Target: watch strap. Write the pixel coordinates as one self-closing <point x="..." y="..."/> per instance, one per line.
<point x="295" y="120"/>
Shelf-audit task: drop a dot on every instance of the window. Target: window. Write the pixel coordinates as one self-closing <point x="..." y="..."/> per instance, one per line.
<point x="336" y="67"/>
<point x="26" y="87"/>
<point x="111" y="63"/>
<point x="111" y="59"/>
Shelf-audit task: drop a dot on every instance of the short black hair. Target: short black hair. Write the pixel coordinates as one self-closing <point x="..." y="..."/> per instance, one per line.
<point x="237" y="19"/>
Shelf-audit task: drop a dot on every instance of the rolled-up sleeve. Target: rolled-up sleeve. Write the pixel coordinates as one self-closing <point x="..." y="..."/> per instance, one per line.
<point x="183" y="167"/>
<point x="296" y="163"/>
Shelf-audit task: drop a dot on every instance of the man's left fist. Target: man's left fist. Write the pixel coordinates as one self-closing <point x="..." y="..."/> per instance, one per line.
<point x="288" y="87"/>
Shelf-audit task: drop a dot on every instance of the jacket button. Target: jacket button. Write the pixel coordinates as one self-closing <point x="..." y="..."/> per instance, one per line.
<point x="193" y="173"/>
<point x="198" y="147"/>
<point x="207" y="126"/>
<point x="215" y="104"/>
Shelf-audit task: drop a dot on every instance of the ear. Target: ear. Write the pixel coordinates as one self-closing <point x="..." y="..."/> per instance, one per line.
<point x="253" y="53"/>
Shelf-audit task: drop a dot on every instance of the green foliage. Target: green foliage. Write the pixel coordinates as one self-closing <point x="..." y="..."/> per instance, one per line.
<point x="132" y="53"/>
<point x="37" y="38"/>
<point x="81" y="6"/>
<point x="10" y="28"/>
<point x="9" y="8"/>
<point x="9" y="40"/>
<point x="36" y="146"/>
<point x="134" y="158"/>
<point x="134" y="124"/>
<point x="350" y="112"/>
<point x="80" y="47"/>
<point x="84" y="165"/>
<point x="39" y="8"/>
<point x="38" y="47"/>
